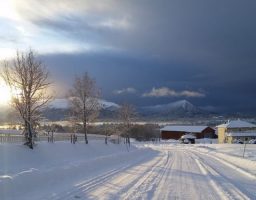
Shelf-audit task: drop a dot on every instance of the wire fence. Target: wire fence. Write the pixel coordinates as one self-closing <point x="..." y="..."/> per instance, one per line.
<point x="9" y="138"/>
<point x="18" y="138"/>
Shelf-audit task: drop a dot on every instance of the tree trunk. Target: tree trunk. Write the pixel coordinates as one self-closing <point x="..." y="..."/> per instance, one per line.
<point x="85" y="132"/>
<point x="30" y="133"/>
<point x="30" y="136"/>
<point x="106" y="139"/>
<point x="26" y="130"/>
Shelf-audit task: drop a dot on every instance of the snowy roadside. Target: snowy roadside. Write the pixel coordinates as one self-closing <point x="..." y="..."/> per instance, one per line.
<point x="228" y="154"/>
<point x="63" y="171"/>
<point x="233" y="149"/>
<point x="51" y="168"/>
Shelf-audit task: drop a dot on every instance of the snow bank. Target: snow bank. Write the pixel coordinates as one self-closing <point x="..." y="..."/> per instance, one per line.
<point x="232" y="154"/>
<point x="233" y="149"/>
<point x="51" y="167"/>
<point x="206" y="141"/>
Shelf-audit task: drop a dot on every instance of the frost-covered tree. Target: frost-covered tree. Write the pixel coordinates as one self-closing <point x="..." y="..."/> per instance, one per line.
<point x="84" y="101"/>
<point x="27" y="78"/>
<point x="127" y="115"/>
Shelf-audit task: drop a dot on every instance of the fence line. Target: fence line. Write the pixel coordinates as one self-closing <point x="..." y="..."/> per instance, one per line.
<point x="12" y="138"/>
<point x="9" y="138"/>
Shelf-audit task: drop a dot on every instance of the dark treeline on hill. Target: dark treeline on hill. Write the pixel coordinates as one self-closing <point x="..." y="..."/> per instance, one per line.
<point x="56" y="114"/>
<point x="145" y="132"/>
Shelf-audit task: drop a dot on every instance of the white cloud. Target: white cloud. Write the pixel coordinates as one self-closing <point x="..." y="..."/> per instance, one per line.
<point x="118" y="24"/>
<point x="128" y="90"/>
<point x="165" y="92"/>
<point x="188" y="93"/>
<point x="45" y="25"/>
<point x="160" y="92"/>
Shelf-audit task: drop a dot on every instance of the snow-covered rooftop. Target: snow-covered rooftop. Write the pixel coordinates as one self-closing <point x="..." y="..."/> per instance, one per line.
<point x="187" y="129"/>
<point x="188" y="136"/>
<point x="237" y="124"/>
<point x="241" y="134"/>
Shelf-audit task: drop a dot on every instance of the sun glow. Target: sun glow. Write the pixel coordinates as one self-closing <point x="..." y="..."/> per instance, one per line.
<point x="5" y="94"/>
<point x="7" y="9"/>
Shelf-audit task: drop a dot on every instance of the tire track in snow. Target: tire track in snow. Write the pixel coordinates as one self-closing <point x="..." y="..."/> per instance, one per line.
<point x="88" y="185"/>
<point x="125" y="180"/>
<point x="146" y="184"/>
<point x="240" y="170"/>
<point x="82" y="189"/>
<point x="246" y="184"/>
<point x="175" y="173"/>
<point x="197" y="185"/>
<point x="160" y="190"/>
<point x="223" y="186"/>
<point x="183" y="179"/>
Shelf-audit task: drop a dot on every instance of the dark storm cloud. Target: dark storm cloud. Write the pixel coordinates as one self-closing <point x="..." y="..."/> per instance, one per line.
<point x="201" y="45"/>
<point x="197" y="31"/>
<point x="115" y="71"/>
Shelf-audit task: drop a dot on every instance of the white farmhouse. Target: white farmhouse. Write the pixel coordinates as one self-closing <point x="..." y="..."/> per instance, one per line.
<point x="236" y="130"/>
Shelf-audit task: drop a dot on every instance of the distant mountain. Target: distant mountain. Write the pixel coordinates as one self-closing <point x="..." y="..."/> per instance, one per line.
<point x="64" y="104"/>
<point x="56" y="114"/>
<point x="59" y="110"/>
<point x="109" y="105"/>
<point x="59" y="104"/>
<point x="183" y="105"/>
<point x="182" y="108"/>
<point x="109" y="110"/>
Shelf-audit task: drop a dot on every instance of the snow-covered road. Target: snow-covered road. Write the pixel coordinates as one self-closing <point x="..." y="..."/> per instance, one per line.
<point x="175" y="173"/>
<point x="157" y="172"/>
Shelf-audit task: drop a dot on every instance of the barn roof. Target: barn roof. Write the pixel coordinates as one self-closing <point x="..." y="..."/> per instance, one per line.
<point x="237" y="124"/>
<point x="187" y="129"/>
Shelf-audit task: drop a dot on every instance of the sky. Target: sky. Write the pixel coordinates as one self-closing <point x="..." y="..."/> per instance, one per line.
<point x="143" y="52"/>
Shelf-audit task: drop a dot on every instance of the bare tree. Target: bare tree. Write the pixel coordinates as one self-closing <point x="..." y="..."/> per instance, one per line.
<point x="27" y="78"/>
<point x="127" y="115"/>
<point x="111" y="129"/>
<point x="84" y="101"/>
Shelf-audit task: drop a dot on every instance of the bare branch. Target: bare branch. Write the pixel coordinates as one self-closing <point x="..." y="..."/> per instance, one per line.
<point x="84" y="101"/>
<point x="28" y="80"/>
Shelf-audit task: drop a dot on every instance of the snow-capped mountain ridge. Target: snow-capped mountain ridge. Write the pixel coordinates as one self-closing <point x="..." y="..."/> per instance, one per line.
<point x="182" y="108"/>
<point x="64" y="104"/>
<point x="182" y="104"/>
<point x="107" y="104"/>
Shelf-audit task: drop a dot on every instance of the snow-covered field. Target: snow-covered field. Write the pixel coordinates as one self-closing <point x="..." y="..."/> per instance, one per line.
<point x="148" y="171"/>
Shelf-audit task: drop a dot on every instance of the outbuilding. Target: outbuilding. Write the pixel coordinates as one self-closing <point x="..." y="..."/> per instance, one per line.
<point x="176" y="132"/>
<point x="188" y="138"/>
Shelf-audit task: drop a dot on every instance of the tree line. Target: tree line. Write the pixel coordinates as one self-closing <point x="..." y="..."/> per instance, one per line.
<point x="28" y="79"/>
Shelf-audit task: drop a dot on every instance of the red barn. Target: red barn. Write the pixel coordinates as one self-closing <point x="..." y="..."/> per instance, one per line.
<point x="175" y="132"/>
